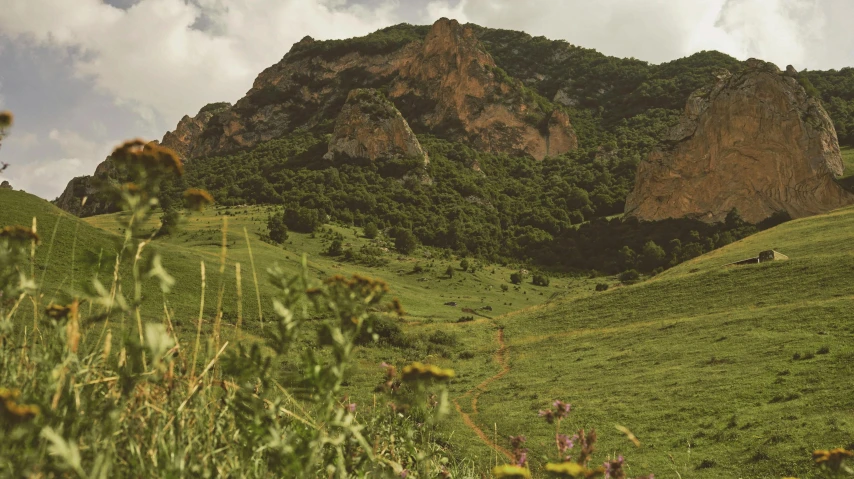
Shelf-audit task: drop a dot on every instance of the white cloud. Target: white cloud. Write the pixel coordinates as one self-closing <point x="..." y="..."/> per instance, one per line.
<point x="151" y="58"/>
<point x="21" y="141"/>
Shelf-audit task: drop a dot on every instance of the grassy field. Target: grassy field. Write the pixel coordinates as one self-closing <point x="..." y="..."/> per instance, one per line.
<point x="732" y="372"/>
<point x="721" y="372"/>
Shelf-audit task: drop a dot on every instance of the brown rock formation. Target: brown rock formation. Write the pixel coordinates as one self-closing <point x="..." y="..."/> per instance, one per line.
<point x="189" y="130"/>
<point x="5" y="186"/>
<point x="447" y="84"/>
<point x="370" y="127"/>
<point x="471" y="99"/>
<point x="71" y="199"/>
<point x="754" y="141"/>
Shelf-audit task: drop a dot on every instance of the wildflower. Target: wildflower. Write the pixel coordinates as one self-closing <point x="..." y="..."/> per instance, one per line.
<point x="19" y="234"/>
<point x="564" y="443"/>
<point x="404" y="473"/>
<point x="574" y="470"/>
<point x="351" y="407"/>
<point x="397" y="307"/>
<point x="561" y="409"/>
<point x="6" y="119"/>
<point x="831" y="459"/>
<point x="197" y="199"/>
<point x="14" y="412"/>
<point x="509" y="471"/>
<point x="149" y="156"/>
<point x="614" y="469"/>
<point x="548" y="415"/>
<point x="520" y="454"/>
<point x="418" y="371"/>
<point x="58" y="311"/>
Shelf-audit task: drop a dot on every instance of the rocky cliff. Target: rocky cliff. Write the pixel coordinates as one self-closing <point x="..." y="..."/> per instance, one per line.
<point x="369" y="127"/>
<point x="754" y="141"/>
<point x="445" y="84"/>
<point x="440" y="79"/>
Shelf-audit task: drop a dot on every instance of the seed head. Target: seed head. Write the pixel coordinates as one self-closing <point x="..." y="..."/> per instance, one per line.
<point x="197" y="199"/>
<point x="6" y="119"/>
<point x="19" y="234"/>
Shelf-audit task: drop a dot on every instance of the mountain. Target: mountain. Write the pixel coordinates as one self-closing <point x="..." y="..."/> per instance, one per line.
<point x="754" y="141"/>
<point x="533" y="144"/>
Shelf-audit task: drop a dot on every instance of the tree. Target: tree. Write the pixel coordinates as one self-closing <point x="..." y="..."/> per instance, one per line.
<point x="450" y="271"/>
<point x="405" y="242"/>
<point x="168" y="222"/>
<point x="652" y="256"/>
<point x="464" y="264"/>
<point x="733" y="219"/>
<point x="276" y="228"/>
<point x="540" y="280"/>
<point x="629" y="276"/>
<point x="371" y="230"/>
<point x="516" y="278"/>
<point x="335" y="248"/>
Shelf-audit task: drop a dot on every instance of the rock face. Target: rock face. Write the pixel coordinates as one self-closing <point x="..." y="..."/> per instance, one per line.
<point x="71" y="199"/>
<point x="442" y="81"/>
<point x="469" y="98"/>
<point x="370" y="127"/>
<point x="753" y="141"/>
<point x="189" y="130"/>
<point x="446" y="84"/>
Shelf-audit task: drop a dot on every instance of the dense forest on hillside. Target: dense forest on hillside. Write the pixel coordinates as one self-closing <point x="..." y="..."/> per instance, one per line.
<point x="555" y="212"/>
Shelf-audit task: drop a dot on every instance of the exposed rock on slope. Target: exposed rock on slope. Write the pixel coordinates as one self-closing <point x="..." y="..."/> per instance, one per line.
<point x="754" y="141"/>
<point x="189" y="130"/>
<point x="5" y="186"/>
<point x="71" y="200"/>
<point x="370" y="127"/>
<point x="468" y="97"/>
<point x="446" y="84"/>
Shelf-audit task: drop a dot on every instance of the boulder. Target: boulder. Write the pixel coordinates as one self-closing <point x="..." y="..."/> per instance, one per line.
<point x="5" y="186"/>
<point x="755" y="141"/>
<point x="370" y="128"/>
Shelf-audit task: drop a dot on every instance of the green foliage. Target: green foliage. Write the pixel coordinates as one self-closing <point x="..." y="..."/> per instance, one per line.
<point x="449" y="272"/>
<point x="215" y="107"/>
<point x="540" y="279"/>
<point x="464" y="264"/>
<point x="277" y="230"/>
<point x="371" y="230"/>
<point x="404" y="240"/>
<point x="516" y="278"/>
<point x="629" y="276"/>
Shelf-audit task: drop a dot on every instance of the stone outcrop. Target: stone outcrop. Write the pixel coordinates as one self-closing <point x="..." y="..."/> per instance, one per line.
<point x="370" y="128"/>
<point x="469" y="98"/>
<point x="186" y="136"/>
<point x="71" y="199"/>
<point x="446" y="84"/>
<point x="754" y="141"/>
<point x="5" y="186"/>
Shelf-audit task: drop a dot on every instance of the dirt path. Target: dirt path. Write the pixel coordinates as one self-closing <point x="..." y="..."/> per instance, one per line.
<point x="500" y="357"/>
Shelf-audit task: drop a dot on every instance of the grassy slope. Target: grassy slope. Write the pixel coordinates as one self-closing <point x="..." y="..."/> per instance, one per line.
<point x="698" y="362"/>
<point x="200" y="240"/>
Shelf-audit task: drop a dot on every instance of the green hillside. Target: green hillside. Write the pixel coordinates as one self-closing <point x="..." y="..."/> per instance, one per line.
<point x="733" y="371"/>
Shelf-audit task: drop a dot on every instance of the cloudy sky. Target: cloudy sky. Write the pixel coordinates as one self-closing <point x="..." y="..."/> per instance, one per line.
<point x="82" y="75"/>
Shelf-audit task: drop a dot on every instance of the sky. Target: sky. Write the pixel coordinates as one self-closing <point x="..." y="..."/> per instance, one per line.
<point x="83" y="75"/>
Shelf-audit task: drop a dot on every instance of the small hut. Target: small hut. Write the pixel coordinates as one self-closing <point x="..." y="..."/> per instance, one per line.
<point x="762" y="257"/>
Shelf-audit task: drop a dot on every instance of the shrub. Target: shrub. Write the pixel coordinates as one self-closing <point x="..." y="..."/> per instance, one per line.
<point x="601" y="287"/>
<point x="505" y="288"/>
<point x="335" y="247"/>
<point x="405" y="241"/>
<point x="629" y="276"/>
<point x="276" y="228"/>
<point x="449" y="272"/>
<point x="516" y="278"/>
<point x="540" y="280"/>
<point x="442" y="337"/>
<point x="371" y="230"/>
<point x="464" y="264"/>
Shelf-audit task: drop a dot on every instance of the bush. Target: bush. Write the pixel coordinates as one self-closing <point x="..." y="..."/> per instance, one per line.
<point x="304" y="220"/>
<point x="335" y="248"/>
<point x="601" y="287"/>
<point x="505" y="288"/>
<point x="464" y="264"/>
<point x="371" y="230"/>
<point x="443" y="338"/>
<point x="405" y="242"/>
<point x="540" y="280"/>
<point x="276" y="228"/>
<point x="516" y="278"/>
<point x="449" y="272"/>
<point x="629" y="276"/>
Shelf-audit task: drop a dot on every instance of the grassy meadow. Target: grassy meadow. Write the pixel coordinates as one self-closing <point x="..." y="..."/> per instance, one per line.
<point x="720" y="372"/>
